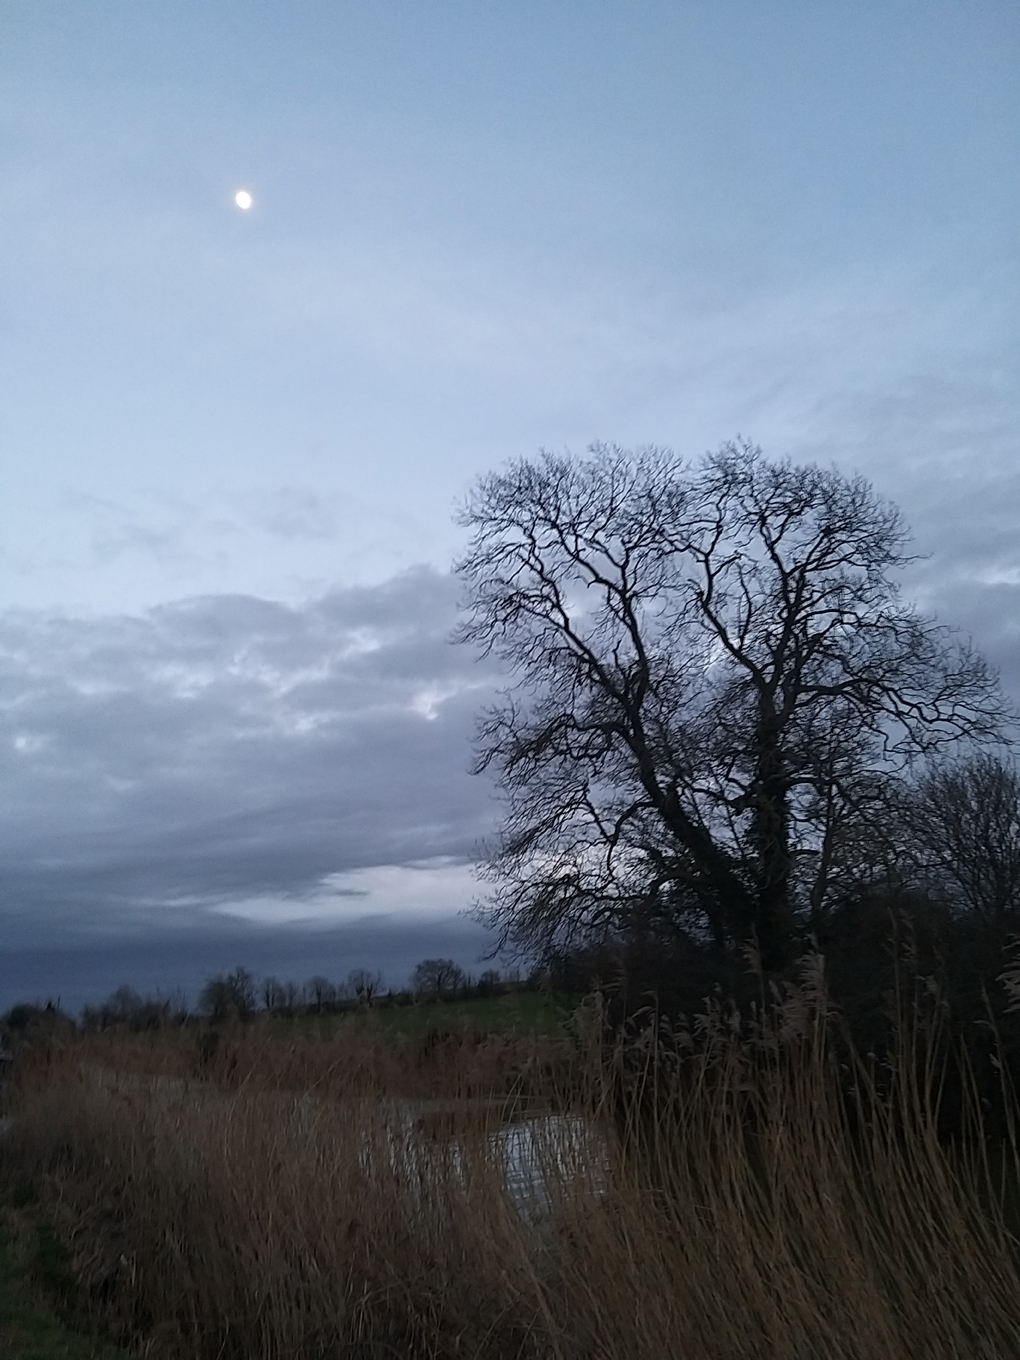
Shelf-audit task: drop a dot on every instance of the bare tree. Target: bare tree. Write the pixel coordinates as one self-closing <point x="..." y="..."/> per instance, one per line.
<point x="965" y="819"/>
<point x="436" y="977"/>
<point x="273" y="993"/>
<point x="364" y="984"/>
<point x="123" y="1003"/>
<point x="714" y="676"/>
<point x="489" y="982"/>
<point x="126" y="1006"/>
<point x="320" y="992"/>
<point x="229" y="994"/>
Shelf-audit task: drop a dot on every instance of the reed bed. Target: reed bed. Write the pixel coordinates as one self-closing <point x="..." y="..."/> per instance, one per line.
<point x="742" y="1188"/>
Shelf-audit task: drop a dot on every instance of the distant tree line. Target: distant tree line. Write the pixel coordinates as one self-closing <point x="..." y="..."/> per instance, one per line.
<point x="240" y="995"/>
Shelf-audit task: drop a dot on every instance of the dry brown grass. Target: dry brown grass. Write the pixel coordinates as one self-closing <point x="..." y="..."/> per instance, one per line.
<point x="274" y="1204"/>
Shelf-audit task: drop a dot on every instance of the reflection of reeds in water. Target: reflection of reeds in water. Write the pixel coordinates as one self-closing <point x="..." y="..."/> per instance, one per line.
<point x="731" y="1192"/>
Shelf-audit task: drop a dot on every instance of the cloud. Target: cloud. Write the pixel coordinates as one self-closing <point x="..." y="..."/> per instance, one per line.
<point x="233" y="758"/>
<point x="233" y="753"/>
<point x="298" y="513"/>
<point x="89" y="971"/>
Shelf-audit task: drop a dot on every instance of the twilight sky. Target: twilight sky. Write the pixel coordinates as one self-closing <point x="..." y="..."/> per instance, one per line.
<point x="232" y="728"/>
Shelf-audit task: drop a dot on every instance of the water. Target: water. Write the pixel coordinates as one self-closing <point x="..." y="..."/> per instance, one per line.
<point x="538" y="1157"/>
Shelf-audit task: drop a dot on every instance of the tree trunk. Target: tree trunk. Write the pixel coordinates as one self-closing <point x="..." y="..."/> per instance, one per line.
<point x="771" y="839"/>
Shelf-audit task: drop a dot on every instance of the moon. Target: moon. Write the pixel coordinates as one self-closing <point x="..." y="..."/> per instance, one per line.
<point x="243" y="199"/>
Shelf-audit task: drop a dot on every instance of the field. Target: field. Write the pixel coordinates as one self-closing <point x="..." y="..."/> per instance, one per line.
<point x="494" y="1179"/>
<point x="514" y="1012"/>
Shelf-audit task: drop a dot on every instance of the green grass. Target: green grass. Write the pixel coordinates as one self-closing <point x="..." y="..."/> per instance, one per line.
<point x="34" y="1273"/>
<point x="523" y="1013"/>
<point x="514" y="1013"/>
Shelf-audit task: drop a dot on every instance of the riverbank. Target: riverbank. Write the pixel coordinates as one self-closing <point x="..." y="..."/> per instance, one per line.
<point x="33" y="1280"/>
<point x="709" y="1194"/>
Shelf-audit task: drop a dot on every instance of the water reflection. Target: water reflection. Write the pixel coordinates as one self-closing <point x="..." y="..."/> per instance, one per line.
<point x="539" y="1158"/>
<point x="545" y="1155"/>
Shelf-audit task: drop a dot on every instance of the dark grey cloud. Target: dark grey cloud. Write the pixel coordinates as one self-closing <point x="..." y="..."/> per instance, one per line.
<point x="176" y="785"/>
<point x="227" y="748"/>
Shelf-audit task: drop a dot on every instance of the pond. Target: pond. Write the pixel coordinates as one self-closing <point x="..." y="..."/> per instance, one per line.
<point x="538" y="1156"/>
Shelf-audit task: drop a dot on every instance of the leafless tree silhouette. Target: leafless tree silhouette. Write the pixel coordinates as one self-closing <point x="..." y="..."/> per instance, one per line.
<point x="437" y="977"/>
<point x="364" y="984"/>
<point x="713" y="676"/>
<point x="965" y="817"/>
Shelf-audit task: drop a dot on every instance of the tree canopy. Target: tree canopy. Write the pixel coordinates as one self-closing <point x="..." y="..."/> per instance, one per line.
<point x="713" y="680"/>
<point x="437" y="977"/>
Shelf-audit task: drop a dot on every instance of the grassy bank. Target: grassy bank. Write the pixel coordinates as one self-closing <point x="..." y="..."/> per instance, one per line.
<point x="34" y="1283"/>
<point x="732" y="1193"/>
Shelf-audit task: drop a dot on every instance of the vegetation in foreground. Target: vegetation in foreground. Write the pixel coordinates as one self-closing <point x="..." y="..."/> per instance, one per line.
<point x="741" y="1187"/>
<point x="34" y="1275"/>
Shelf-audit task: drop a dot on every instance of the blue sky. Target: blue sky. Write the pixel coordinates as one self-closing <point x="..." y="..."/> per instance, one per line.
<point x="477" y="230"/>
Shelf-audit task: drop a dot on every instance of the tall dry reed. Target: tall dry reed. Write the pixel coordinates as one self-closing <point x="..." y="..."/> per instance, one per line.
<point x="744" y="1188"/>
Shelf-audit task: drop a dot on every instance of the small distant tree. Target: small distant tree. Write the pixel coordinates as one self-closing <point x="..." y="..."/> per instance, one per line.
<point x="489" y="982"/>
<point x="123" y="1004"/>
<point x="229" y="994"/>
<point x="320" y="992"/>
<point x="437" y="978"/>
<point x="363" y="984"/>
<point x="273" y="994"/>
<point x="214" y="998"/>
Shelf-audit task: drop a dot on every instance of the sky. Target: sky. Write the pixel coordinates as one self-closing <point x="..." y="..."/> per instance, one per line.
<point x="232" y="725"/>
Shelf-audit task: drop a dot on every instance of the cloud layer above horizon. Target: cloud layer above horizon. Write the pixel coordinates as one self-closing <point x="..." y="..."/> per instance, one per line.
<point x="230" y="755"/>
<point x="228" y="758"/>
